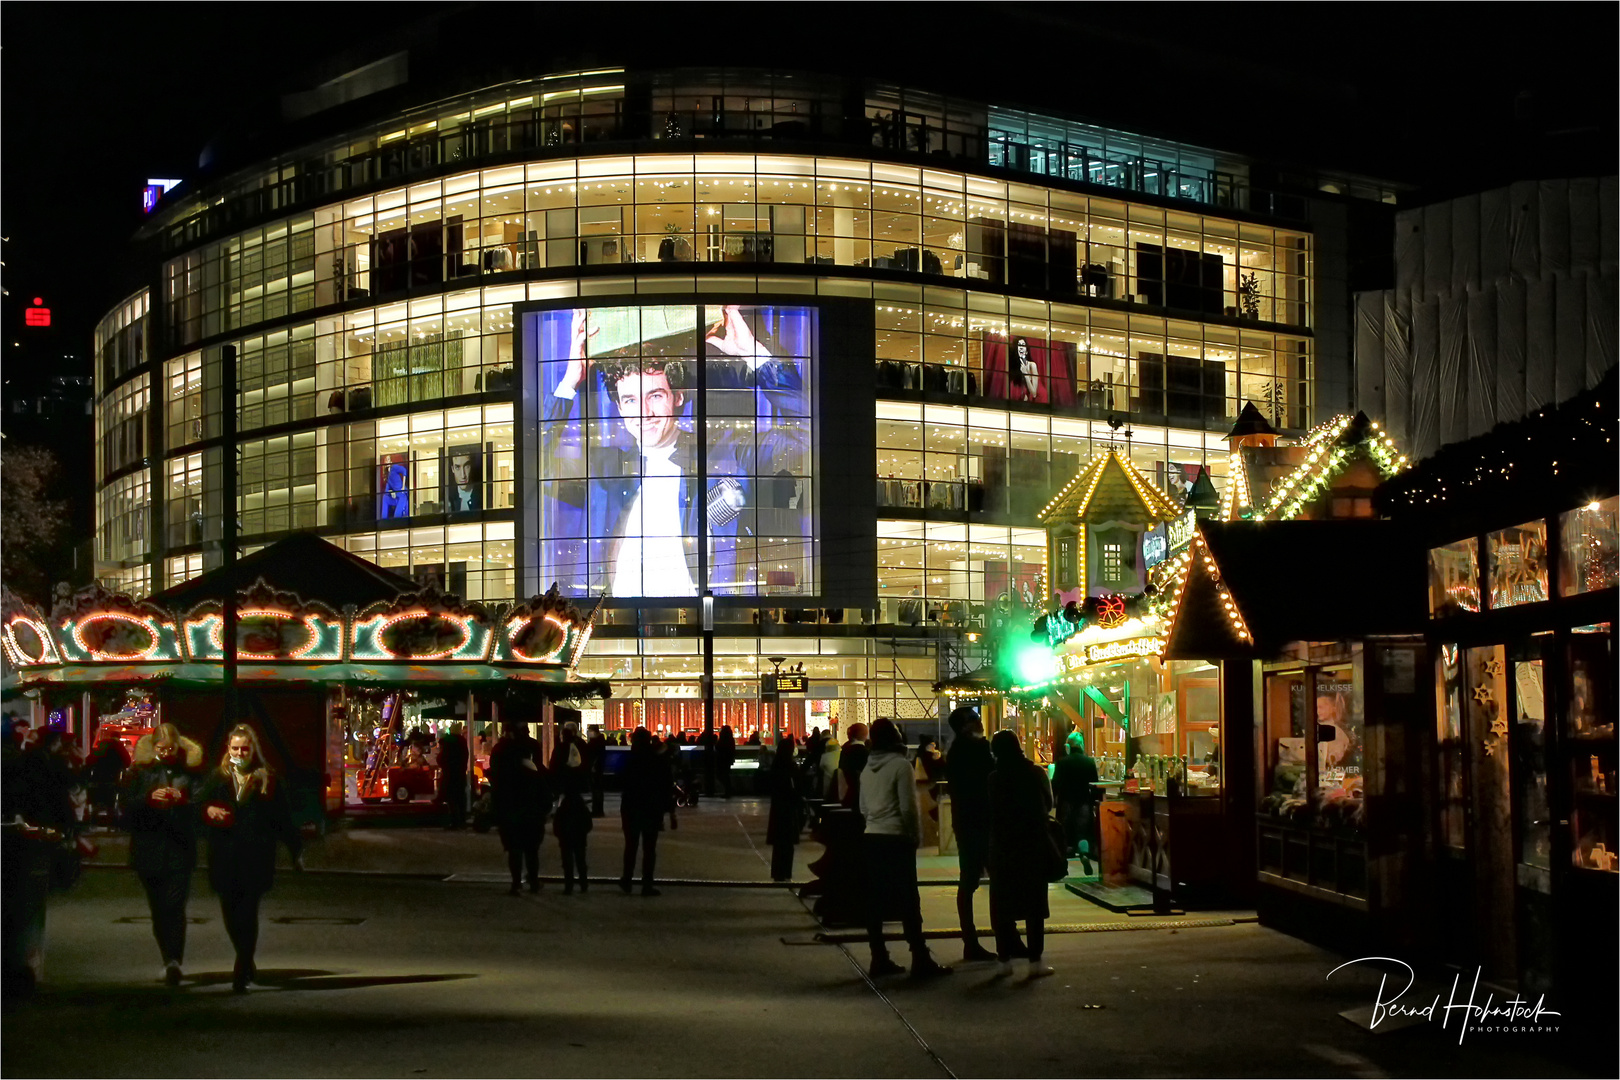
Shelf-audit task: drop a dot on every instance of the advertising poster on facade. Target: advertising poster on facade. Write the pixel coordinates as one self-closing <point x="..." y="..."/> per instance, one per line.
<point x="676" y="449"/>
<point x="1177" y="477"/>
<point x="1029" y="369"/>
<point x="462" y="475"/>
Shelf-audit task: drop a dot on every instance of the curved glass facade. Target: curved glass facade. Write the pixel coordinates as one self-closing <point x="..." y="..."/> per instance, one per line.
<point x="998" y="324"/>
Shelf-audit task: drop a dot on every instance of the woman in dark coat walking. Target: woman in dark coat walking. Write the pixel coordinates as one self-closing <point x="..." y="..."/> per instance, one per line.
<point x="647" y="793"/>
<point x="245" y="811"/>
<point x="571" y="824"/>
<point x="519" y="799"/>
<point x="787" y="811"/>
<point x="1020" y="800"/>
<point x="161" y="815"/>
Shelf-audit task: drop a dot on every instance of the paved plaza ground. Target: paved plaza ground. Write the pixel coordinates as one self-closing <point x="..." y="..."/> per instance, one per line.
<point x="400" y="954"/>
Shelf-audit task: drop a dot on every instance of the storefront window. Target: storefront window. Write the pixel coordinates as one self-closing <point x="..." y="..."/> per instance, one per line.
<point x="1590" y="738"/>
<point x="1518" y="572"/>
<point x="1530" y="763"/>
<point x="1284" y="745"/>
<point x="1454" y="578"/>
<point x="1590" y="550"/>
<point x="1338" y="734"/>
<point x="1450" y="687"/>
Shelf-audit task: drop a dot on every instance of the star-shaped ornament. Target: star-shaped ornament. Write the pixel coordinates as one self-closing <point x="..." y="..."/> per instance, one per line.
<point x="1490" y="749"/>
<point x="1483" y="695"/>
<point x="1491" y="667"/>
<point x="1499" y="726"/>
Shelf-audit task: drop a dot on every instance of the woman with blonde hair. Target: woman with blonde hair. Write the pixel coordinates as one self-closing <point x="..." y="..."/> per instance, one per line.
<point x="163" y="836"/>
<point x="246" y="812"/>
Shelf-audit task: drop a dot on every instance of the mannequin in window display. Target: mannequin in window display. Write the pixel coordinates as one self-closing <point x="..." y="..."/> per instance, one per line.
<point x="642" y="498"/>
<point x="395" y="500"/>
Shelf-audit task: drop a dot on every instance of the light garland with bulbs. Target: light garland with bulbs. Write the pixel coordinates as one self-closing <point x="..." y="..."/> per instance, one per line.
<point x="1314" y="476"/>
<point x="14" y="649"/>
<point x="76" y="628"/>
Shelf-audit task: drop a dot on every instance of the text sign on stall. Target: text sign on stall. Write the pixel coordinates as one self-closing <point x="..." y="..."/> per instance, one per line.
<point x="1181" y="532"/>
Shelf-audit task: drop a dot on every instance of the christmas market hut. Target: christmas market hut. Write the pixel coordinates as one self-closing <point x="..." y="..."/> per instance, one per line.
<point x="1520" y="531"/>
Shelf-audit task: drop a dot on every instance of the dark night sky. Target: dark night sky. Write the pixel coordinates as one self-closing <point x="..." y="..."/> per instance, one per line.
<point x="1452" y="97"/>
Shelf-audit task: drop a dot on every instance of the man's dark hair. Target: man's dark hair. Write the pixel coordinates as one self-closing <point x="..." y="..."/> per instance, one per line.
<point x="630" y="367"/>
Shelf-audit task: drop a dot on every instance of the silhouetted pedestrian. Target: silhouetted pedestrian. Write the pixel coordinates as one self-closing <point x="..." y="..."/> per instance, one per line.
<point x="1020" y="800"/>
<point x="967" y="772"/>
<point x="851" y="764"/>
<point x="641" y="809"/>
<point x="37" y="792"/>
<point x="571" y="824"/>
<point x="670" y="751"/>
<point x="106" y="766"/>
<point x="787" y="811"/>
<point x="160" y="811"/>
<point x="519" y="799"/>
<point x="1073" y="778"/>
<point x="453" y="762"/>
<point x="596" y="755"/>
<point x="889" y="804"/>
<point x="725" y="756"/>
<point x="246" y="812"/>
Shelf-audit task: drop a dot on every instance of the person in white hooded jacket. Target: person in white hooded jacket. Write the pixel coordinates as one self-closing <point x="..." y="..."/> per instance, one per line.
<point x="889" y="805"/>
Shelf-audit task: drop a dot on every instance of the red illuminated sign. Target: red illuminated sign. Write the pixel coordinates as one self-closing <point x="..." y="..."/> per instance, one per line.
<point x="38" y="315"/>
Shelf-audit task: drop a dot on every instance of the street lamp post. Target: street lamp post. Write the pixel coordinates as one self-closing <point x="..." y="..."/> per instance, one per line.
<point x="708" y="662"/>
<point x="227" y="365"/>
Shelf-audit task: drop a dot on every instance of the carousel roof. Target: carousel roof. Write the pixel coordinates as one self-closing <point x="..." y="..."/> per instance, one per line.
<point x="302" y="564"/>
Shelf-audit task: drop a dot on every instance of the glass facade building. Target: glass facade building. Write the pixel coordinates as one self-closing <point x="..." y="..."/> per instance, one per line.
<point x="899" y="322"/>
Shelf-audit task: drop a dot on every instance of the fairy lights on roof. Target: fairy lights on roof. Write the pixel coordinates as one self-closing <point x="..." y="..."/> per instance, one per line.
<point x="1328" y="454"/>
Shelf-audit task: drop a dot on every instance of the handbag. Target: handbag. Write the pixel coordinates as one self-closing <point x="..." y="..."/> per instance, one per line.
<point x="1057" y="863"/>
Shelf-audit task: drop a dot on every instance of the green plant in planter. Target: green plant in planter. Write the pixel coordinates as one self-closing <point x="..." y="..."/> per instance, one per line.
<point x="1249" y="295"/>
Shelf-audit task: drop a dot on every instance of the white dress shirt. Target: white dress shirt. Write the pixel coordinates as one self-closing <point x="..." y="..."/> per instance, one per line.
<point x="652" y="553"/>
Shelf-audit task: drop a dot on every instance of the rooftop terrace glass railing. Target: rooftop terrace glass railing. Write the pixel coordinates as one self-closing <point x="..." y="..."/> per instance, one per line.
<point x="606" y="125"/>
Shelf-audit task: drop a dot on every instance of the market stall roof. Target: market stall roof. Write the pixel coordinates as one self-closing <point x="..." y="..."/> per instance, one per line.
<point x="1254" y="586"/>
<point x="1557" y="458"/>
<point x="302" y="564"/>
<point x="1110" y="486"/>
<point x="980" y="680"/>
<point x="1250" y="422"/>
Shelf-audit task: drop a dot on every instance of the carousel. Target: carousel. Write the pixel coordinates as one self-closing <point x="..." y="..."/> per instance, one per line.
<point x="353" y="675"/>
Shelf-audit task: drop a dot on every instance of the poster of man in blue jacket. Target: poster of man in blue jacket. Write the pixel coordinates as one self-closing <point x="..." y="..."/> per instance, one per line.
<point x="670" y="430"/>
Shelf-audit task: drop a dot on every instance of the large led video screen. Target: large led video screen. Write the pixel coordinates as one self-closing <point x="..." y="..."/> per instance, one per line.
<point x="676" y="449"/>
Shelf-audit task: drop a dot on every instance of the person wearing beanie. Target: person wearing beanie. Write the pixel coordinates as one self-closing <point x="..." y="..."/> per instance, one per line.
<point x="888" y="801"/>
